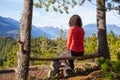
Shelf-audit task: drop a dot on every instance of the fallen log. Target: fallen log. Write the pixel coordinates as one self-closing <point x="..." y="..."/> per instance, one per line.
<point x="87" y="56"/>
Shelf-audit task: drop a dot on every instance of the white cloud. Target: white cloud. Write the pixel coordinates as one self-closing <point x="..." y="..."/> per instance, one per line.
<point x="36" y="13"/>
<point x="15" y="0"/>
<point x="112" y="18"/>
<point x="45" y="25"/>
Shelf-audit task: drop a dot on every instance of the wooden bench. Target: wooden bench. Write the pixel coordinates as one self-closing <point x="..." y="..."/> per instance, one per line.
<point x="87" y="56"/>
<point x="61" y="72"/>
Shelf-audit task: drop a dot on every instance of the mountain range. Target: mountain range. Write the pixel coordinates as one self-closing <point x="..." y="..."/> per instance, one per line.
<point x="92" y="28"/>
<point x="10" y="27"/>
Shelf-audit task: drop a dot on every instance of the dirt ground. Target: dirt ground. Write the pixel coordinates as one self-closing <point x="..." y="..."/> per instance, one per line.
<point x="41" y="72"/>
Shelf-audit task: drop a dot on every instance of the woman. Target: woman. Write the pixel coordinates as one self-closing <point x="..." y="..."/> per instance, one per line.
<point x="75" y="38"/>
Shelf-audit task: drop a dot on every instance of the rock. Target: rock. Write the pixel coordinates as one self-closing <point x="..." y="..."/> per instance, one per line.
<point x="56" y="65"/>
<point x="54" y="74"/>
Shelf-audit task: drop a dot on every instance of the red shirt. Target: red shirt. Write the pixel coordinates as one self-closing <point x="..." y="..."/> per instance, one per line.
<point x="75" y="39"/>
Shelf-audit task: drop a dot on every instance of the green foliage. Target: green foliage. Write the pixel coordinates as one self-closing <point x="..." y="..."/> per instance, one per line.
<point x="111" y="68"/>
<point x="11" y="58"/>
<point x="118" y="55"/>
<point x="114" y="5"/>
<point x="57" y="5"/>
<point x="91" y="44"/>
<point x="113" y="44"/>
<point x="106" y="67"/>
<point x="108" y="76"/>
<point x="100" y="60"/>
<point x="47" y="48"/>
<point x="116" y="66"/>
<point x="6" y="46"/>
<point x="116" y="1"/>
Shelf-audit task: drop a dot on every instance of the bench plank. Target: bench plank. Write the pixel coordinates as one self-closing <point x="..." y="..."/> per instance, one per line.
<point x="87" y="56"/>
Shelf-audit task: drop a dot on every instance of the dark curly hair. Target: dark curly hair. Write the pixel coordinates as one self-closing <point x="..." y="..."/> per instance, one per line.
<point x="75" y="20"/>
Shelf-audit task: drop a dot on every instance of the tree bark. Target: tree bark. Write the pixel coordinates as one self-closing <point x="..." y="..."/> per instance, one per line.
<point x="24" y="41"/>
<point x="88" y="56"/>
<point x="101" y="25"/>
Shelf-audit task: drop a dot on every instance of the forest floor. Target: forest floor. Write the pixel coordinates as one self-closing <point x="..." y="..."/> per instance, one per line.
<point x="41" y="72"/>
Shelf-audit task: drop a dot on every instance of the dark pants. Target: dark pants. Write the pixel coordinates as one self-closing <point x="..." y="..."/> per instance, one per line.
<point x="75" y="54"/>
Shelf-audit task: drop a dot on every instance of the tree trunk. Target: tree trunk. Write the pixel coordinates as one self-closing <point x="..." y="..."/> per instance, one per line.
<point x="88" y="56"/>
<point x="101" y="25"/>
<point x="24" y="42"/>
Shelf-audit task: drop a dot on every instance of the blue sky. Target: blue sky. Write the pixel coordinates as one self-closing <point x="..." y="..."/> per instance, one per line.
<point x="14" y="9"/>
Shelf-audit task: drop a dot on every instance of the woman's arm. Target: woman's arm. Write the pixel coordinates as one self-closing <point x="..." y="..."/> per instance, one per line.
<point x="69" y="38"/>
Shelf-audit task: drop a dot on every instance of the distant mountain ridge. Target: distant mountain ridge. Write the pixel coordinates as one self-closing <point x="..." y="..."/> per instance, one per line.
<point x="10" y="27"/>
<point x="92" y="28"/>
